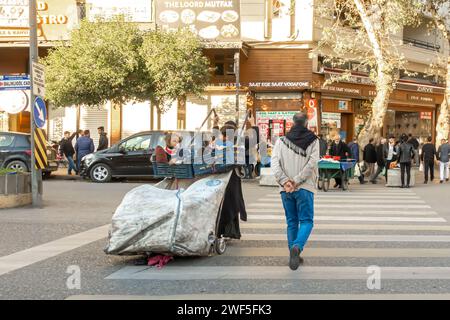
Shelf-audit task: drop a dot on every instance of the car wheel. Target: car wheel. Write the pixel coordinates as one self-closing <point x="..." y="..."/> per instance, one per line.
<point x="100" y="173"/>
<point x="17" y="165"/>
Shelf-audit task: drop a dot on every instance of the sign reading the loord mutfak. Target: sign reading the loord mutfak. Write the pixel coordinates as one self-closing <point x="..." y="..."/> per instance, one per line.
<point x="55" y="19"/>
<point x="214" y="20"/>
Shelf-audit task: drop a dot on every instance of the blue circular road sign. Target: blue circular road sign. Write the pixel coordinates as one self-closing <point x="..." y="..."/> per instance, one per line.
<point x="39" y="112"/>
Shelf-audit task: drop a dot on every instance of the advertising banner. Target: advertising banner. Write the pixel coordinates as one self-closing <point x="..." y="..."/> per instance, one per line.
<point x="55" y="19"/>
<point x="212" y="20"/>
<point x="133" y="11"/>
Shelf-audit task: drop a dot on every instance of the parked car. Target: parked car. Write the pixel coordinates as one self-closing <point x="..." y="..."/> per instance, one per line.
<point x="131" y="157"/>
<point x="15" y="153"/>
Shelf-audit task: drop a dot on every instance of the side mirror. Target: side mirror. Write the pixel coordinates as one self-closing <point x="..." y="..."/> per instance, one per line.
<point x="122" y="150"/>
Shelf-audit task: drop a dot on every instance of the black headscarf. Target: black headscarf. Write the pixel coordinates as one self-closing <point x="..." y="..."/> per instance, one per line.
<point x="301" y="136"/>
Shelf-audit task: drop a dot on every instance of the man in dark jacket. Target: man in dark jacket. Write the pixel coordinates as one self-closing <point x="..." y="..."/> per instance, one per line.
<point x="339" y="149"/>
<point x="83" y="147"/>
<point x="103" y="140"/>
<point x="66" y="149"/>
<point x="405" y="157"/>
<point x="370" y="158"/>
<point x="381" y="161"/>
<point x="354" y="149"/>
<point x="427" y="157"/>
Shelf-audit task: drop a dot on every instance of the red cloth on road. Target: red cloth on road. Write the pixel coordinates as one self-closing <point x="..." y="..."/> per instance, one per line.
<point x="159" y="261"/>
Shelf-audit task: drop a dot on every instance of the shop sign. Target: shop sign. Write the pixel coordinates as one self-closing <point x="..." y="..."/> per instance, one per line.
<point x="425" y="116"/>
<point x="354" y="91"/>
<point x="419" y="88"/>
<point x="424" y="99"/>
<point x="343" y="105"/>
<point x="15" y="83"/>
<point x="281" y="84"/>
<point x="132" y="11"/>
<point x="55" y="19"/>
<point x="14" y="14"/>
<point x="217" y="20"/>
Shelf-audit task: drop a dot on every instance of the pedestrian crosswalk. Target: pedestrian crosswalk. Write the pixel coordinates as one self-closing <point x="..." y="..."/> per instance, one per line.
<point x="394" y="230"/>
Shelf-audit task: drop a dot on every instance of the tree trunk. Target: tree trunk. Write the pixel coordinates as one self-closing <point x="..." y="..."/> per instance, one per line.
<point x="374" y="124"/>
<point x="158" y="110"/>
<point x="442" y="123"/>
<point x="384" y="82"/>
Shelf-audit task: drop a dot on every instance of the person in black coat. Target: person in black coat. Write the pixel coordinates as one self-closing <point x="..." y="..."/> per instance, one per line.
<point x="405" y="157"/>
<point x="66" y="149"/>
<point x="381" y="161"/>
<point x="370" y="158"/>
<point x="427" y="157"/>
<point x="339" y="149"/>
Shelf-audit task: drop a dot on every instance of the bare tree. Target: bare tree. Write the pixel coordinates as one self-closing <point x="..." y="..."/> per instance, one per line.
<point x="366" y="31"/>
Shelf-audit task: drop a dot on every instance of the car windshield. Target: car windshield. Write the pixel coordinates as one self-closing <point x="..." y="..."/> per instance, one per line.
<point x="6" y="140"/>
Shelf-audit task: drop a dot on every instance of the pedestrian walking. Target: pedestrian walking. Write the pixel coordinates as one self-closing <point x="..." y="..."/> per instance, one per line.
<point x="67" y="150"/>
<point x="294" y="163"/>
<point x="83" y="147"/>
<point x="405" y="157"/>
<point x="103" y="139"/>
<point x="381" y="161"/>
<point x="391" y="153"/>
<point x="443" y="157"/>
<point x="354" y="149"/>
<point x="370" y="158"/>
<point x="339" y="149"/>
<point x="427" y="157"/>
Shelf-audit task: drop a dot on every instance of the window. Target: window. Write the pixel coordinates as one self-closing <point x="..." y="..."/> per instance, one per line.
<point x="6" y="140"/>
<point x="23" y="142"/>
<point x="141" y="143"/>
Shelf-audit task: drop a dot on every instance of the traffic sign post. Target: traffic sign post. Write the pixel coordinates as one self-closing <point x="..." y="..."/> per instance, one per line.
<point x="39" y="79"/>
<point x="36" y="174"/>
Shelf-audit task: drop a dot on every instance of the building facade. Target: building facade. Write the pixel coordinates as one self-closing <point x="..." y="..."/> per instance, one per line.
<point x="260" y="51"/>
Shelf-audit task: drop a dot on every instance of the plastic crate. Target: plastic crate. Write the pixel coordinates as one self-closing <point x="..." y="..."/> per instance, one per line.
<point x="181" y="171"/>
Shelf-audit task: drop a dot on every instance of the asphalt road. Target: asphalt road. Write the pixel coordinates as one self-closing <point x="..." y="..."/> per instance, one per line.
<point x="405" y="233"/>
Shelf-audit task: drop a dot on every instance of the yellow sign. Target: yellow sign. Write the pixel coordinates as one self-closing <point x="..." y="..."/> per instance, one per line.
<point x="40" y="149"/>
<point x="55" y="19"/>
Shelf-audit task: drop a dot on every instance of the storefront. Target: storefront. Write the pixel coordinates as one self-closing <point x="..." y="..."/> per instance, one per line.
<point x="278" y="82"/>
<point x="345" y="108"/>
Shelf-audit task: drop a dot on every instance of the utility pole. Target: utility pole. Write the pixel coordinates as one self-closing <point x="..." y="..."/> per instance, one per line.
<point x="36" y="174"/>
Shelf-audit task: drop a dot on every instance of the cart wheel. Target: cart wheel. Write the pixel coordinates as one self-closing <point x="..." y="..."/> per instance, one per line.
<point x="220" y="245"/>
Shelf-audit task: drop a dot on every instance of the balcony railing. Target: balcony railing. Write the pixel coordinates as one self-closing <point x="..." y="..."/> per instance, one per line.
<point x="422" y="44"/>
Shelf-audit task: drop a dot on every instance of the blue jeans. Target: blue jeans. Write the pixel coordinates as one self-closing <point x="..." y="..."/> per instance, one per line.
<point x="71" y="165"/>
<point x="299" y="210"/>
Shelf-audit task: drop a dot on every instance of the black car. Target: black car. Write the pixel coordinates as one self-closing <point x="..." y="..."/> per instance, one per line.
<point x="15" y="153"/>
<point x="130" y="157"/>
